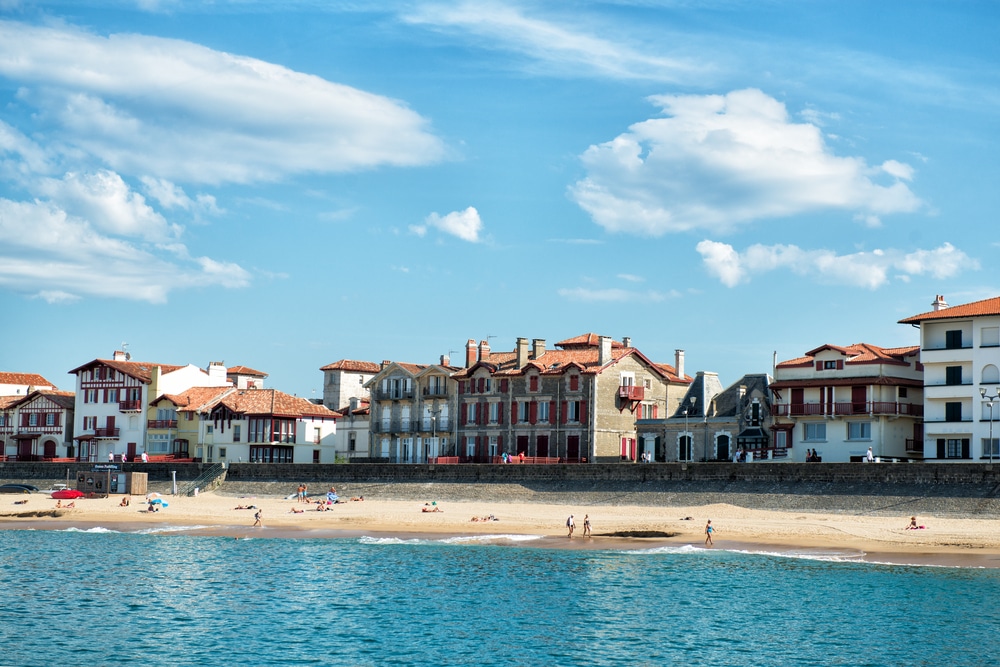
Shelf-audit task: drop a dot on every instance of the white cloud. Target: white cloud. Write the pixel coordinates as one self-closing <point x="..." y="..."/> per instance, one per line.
<point x="172" y="196"/>
<point x="610" y="294"/>
<point x="556" y="45"/>
<point x="631" y="278"/>
<point x="59" y="257"/>
<point x="719" y="161"/>
<point x="862" y="269"/>
<point x="466" y="224"/>
<point x="179" y="111"/>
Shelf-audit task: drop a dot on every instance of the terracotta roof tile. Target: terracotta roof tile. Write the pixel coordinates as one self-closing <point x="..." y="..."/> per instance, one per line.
<point x="858" y="353"/>
<point x="586" y="340"/>
<point x="976" y="308"/>
<point x="196" y="399"/>
<point x="273" y="402"/>
<point x="140" y="370"/>
<point x="30" y="379"/>
<point x="245" y="370"/>
<point x="353" y="366"/>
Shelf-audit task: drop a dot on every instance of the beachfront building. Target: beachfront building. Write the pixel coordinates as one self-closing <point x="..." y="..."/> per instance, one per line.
<point x="960" y="352"/>
<point x="112" y="408"/>
<point x="38" y="426"/>
<point x="713" y="423"/>
<point x="353" y="431"/>
<point x="22" y="384"/>
<point x="179" y="426"/>
<point x="840" y="400"/>
<point x="578" y="402"/>
<point x="244" y="377"/>
<point x="268" y="426"/>
<point x="412" y="412"/>
<point x="347" y="379"/>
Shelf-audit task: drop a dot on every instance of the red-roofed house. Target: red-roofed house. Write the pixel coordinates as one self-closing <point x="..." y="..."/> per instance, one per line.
<point x="347" y="379"/>
<point x="840" y="400"/>
<point x="269" y="426"/>
<point x="960" y="352"/>
<point x="22" y="384"/>
<point x="113" y="396"/>
<point x="578" y="402"/>
<point x="37" y="427"/>
<point x="244" y="377"/>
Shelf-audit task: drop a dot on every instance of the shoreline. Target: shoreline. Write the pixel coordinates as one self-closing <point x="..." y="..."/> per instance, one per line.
<point x="946" y="541"/>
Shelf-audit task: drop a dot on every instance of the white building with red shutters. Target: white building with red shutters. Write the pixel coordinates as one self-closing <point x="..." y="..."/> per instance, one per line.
<point x="840" y="400"/>
<point x="38" y="426"/>
<point x="113" y="401"/>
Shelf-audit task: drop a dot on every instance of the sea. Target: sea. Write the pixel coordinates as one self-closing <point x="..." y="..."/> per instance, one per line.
<point x="175" y="598"/>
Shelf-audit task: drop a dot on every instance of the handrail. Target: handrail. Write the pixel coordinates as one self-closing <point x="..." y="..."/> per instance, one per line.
<point x="211" y="478"/>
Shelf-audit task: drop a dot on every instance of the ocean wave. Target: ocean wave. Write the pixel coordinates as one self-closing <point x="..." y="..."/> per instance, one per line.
<point x="95" y="529"/>
<point x="460" y="539"/>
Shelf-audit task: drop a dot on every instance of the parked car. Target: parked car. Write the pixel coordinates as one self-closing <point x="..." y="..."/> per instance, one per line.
<point x="18" y="488"/>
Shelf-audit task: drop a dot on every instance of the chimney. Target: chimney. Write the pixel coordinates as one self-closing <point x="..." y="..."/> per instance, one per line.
<point x="522" y="352"/>
<point x="445" y="360"/>
<point x="604" y="355"/>
<point x="939" y="303"/>
<point x="470" y="353"/>
<point x="354" y="404"/>
<point x="679" y="363"/>
<point x="537" y="347"/>
<point x="119" y="355"/>
<point x="627" y="341"/>
<point x="484" y="350"/>
<point x="217" y="370"/>
<point x="385" y="364"/>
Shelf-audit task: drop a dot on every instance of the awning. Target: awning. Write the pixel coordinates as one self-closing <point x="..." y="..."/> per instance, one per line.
<point x="27" y="436"/>
<point x="89" y="436"/>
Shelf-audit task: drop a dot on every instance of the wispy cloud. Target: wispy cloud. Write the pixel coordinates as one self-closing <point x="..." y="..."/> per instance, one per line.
<point x="862" y="269"/>
<point x="611" y="294"/>
<point x="465" y="225"/>
<point x="719" y="161"/>
<point x="557" y="45"/>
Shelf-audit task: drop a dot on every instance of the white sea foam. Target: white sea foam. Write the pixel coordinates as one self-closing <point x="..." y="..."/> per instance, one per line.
<point x="95" y="529"/>
<point x="170" y="529"/>
<point x="466" y="539"/>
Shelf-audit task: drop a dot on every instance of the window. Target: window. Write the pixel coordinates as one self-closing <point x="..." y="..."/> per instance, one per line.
<point x="990" y="337"/>
<point x="574" y="383"/>
<point x="647" y="383"/>
<point x="627" y="379"/>
<point x="209" y="429"/>
<point x="573" y="411"/>
<point x="859" y="431"/>
<point x="991" y="375"/>
<point x="533" y="383"/>
<point x="953" y="448"/>
<point x="33" y="419"/>
<point x="815" y="431"/>
<point x="470" y="446"/>
<point x="222" y="452"/>
<point x="50" y="419"/>
<point x="953" y="339"/>
<point x="493" y="446"/>
<point x="781" y="439"/>
<point x="953" y="411"/>
<point x="494" y="412"/>
<point x="830" y="365"/>
<point x="89" y="423"/>
<point x="543" y="411"/>
<point x="352" y="442"/>
<point x="902" y="392"/>
<point x="648" y="411"/>
<point x="236" y="433"/>
<point x="470" y="413"/>
<point x="523" y="411"/>
<point x="317" y="435"/>
<point x="158" y="443"/>
<point x="991" y="447"/>
<point x="112" y="396"/>
<point x="953" y="375"/>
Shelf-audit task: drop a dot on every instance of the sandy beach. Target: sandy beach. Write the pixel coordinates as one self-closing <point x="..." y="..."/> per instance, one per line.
<point x="942" y="540"/>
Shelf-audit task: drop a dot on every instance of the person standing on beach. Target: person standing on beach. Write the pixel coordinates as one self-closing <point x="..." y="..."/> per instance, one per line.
<point x="257" y="517"/>
<point x="586" y="526"/>
<point x="708" y="533"/>
<point x="570" y="525"/>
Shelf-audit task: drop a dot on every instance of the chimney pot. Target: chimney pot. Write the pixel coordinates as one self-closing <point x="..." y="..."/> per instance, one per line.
<point x="537" y="347"/>
<point x="521" y="352"/>
<point x="604" y="353"/>
<point x="470" y="353"/>
<point x="679" y="363"/>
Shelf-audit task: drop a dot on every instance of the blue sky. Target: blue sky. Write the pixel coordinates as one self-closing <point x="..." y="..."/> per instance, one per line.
<point x="282" y="185"/>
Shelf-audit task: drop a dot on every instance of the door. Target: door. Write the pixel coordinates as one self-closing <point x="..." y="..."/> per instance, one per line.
<point x="722" y="448"/>
<point x="542" y="445"/>
<point x="130" y="450"/>
<point x="859" y="398"/>
<point x="50" y="449"/>
<point x="573" y="448"/>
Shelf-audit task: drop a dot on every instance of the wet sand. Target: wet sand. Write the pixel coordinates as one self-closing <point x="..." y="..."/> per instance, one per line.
<point x="945" y="541"/>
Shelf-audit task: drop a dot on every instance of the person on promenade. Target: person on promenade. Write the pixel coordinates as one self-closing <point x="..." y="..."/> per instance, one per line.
<point x="570" y="525"/>
<point x="257" y="518"/>
<point x="145" y="457"/>
<point x="586" y="526"/>
<point x="869" y="456"/>
<point x="708" y="533"/>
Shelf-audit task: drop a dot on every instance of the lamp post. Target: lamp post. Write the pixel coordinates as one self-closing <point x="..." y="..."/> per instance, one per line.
<point x="982" y="393"/>
<point x="687" y="433"/>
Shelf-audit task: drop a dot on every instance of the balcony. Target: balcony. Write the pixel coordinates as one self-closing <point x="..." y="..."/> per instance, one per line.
<point x="393" y="394"/>
<point x="130" y="406"/>
<point x="436" y="391"/>
<point x="161" y="423"/>
<point x="914" y="446"/>
<point x="106" y="432"/>
<point x="631" y="393"/>
<point x="847" y="409"/>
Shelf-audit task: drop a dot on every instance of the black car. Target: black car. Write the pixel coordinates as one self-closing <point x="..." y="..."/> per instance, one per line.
<point x="18" y="488"/>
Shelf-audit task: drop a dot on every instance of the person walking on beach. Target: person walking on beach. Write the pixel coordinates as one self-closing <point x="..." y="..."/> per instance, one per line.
<point x="708" y="533"/>
<point x="257" y="517"/>
<point x="570" y="525"/>
<point x="586" y="526"/>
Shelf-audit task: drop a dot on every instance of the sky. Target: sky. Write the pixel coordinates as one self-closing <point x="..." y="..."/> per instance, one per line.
<point x="282" y="185"/>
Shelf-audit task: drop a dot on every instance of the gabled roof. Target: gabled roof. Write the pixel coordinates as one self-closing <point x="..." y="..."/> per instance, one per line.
<point x="195" y="399"/>
<point x="586" y="340"/>
<point x="7" y="401"/>
<point x="245" y="370"/>
<point x="730" y="402"/>
<point x="858" y="353"/>
<point x="64" y="399"/>
<point x="272" y="402"/>
<point x="29" y="379"/>
<point x="974" y="309"/>
<point x="352" y="366"/>
<point x="140" y="370"/>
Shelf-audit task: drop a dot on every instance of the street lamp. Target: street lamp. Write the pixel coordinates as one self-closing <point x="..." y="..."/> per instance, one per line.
<point x="982" y="393"/>
<point x="687" y="433"/>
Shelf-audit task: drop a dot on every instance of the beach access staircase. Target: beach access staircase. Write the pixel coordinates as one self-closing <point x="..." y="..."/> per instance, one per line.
<point x="211" y="478"/>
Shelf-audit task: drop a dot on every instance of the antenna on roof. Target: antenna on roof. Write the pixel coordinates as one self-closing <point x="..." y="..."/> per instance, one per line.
<point x="128" y="357"/>
<point x="488" y="337"/>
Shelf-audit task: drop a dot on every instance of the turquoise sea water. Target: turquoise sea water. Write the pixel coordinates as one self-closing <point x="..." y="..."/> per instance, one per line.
<point x="105" y="598"/>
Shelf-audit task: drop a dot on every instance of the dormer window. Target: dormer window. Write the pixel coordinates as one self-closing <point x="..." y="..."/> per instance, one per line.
<point x="830" y="365"/>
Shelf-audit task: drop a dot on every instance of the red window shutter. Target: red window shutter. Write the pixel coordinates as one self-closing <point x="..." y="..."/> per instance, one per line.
<point x="461" y="387"/>
<point x="819" y="365"/>
<point x="499" y="443"/>
<point x="533" y="383"/>
<point x="484" y="414"/>
<point x="533" y="412"/>
<point x="552" y="412"/>
<point x="562" y="415"/>
<point x="482" y="385"/>
<point x="655" y="411"/>
<point x="840" y="364"/>
<point x="503" y="385"/>
<point x="513" y="412"/>
<point x="500" y="413"/>
<point x="583" y="412"/>
<point x="574" y="382"/>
